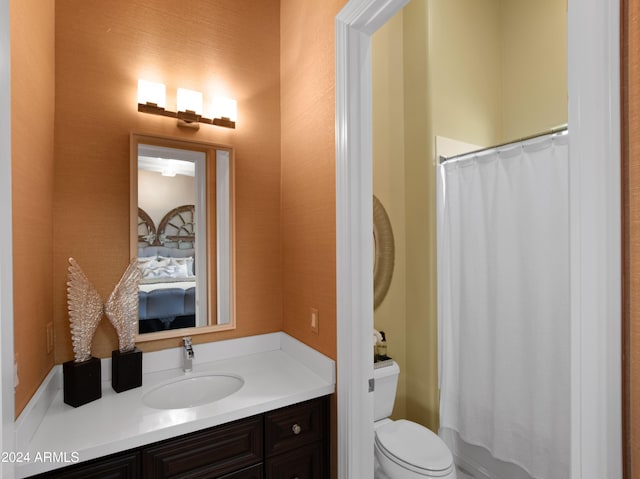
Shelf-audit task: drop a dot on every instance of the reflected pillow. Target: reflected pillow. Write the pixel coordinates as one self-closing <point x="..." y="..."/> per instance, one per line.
<point x="164" y="269"/>
<point x="151" y="268"/>
<point x="146" y="260"/>
<point x="187" y="261"/>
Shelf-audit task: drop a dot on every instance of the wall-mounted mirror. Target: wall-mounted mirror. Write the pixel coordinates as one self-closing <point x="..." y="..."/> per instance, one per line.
<point x="181" y="220"/>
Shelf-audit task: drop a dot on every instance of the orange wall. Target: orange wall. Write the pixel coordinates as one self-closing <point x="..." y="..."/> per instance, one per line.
<point x="32" y="109"/>
<point x="307" y="75"/>
<point x="308" y="169"/>
<point x="102" y="48"/>
<point x="631" y="176"/>
<point x="285" y="182"/>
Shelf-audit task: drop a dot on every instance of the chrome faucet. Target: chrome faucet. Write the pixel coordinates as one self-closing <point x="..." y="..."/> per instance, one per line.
<point x="187" y="355"/>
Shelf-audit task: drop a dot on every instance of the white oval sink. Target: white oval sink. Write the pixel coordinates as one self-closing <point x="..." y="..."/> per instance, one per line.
<point x="192" y="390"/>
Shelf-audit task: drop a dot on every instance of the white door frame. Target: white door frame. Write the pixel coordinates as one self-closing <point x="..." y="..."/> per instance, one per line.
<point x="7" y="400"/>
<point x="594" y="155"/>
<point x="355" y="24"/>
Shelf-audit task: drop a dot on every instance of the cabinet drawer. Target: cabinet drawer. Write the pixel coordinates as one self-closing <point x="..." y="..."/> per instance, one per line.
<point x="252" y="472"/>
<point x="294" y="426"/>
<point x="210" y="453"/>
<point x="302" y="463"/>
<point x="125" y="466"/>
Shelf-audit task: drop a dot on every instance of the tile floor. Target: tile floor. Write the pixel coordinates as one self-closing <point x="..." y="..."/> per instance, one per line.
<point x="462" y="475"/>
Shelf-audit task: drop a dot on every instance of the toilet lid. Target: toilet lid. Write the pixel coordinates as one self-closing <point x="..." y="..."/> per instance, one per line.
<point x="414" y="445"/>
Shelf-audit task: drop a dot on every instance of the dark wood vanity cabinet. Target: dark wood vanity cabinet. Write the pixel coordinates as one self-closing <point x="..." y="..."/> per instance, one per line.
<point x="295" y="444"/>
<point x="213" y="452"/>
<point x="287" y="443"/>
<point x="305" y="462"/>
<point x="124" y="465"/>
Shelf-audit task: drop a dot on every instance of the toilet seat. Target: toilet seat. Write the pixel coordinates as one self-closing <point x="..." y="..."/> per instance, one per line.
<point x="415" y="448"/>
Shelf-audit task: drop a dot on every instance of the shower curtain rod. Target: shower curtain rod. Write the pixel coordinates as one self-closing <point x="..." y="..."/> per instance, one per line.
<point x="551" y="131"/>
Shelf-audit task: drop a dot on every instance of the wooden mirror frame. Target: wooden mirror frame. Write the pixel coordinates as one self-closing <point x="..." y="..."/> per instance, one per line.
<point x="210" y="150"/>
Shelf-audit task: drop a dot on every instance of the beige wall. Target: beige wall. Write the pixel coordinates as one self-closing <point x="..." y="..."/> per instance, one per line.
<point x="465" y="81"/>
<point x="32" y="110"/>
<point x="403" y="179"/>
<point x="157" y="194"/>
<point x="534" y="73"/>
<point x="422" y="392"/>
<point x="498" y="68"/>
<point x="450" y="62"/>
<point x="389" y="185"/>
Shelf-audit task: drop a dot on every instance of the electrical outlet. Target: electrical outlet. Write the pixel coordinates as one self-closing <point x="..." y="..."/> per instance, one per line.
<point x="315" y="321"/>
<point x="49" y="338"/>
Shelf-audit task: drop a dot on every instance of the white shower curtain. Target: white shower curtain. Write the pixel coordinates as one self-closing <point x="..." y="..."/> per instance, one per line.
<point x="503" y="312"/>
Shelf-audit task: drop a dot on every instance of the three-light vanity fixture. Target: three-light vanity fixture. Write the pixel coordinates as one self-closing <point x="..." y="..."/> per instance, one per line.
<point x="152" y="99"/>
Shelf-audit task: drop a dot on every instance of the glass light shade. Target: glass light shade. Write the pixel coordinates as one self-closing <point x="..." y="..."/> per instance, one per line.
<point x="168" y="171"/>
<point x="225" y="108"/>
<point x="151" y="92"/>
<point x="189" y="100"/>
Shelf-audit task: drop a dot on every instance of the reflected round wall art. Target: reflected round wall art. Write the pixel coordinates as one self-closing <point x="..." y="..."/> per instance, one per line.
<point x="384" y="252"/>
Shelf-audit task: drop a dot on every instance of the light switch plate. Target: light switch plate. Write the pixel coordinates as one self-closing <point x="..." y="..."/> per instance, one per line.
<point x="315" y="321"/>
<point x="49" y="338"/>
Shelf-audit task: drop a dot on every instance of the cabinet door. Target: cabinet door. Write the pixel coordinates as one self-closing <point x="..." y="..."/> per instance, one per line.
<point x="301" y="463"/>
<point x="207" y="454"/>
<point x="125" y="466"/>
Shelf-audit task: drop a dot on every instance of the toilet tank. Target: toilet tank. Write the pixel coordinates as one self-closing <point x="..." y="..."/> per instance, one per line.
<point x="384" y="395"/>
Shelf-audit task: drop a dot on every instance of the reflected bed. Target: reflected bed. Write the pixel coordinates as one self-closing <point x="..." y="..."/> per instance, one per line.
<point x="167" y="293"/>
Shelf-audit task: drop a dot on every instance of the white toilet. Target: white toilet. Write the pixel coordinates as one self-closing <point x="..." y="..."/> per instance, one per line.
<point x="404" y="449"/>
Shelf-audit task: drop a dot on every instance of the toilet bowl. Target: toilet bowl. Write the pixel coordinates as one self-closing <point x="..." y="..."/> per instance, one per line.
<point x="404" y="449"/>
<point x="407" y="450"/>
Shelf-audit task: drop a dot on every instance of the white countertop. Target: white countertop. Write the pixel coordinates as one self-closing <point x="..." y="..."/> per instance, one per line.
<point x="282" y="372"/>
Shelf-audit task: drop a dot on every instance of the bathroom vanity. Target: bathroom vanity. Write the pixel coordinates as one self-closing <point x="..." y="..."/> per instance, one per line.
<point x="287" y="442"/>
<point x="275" y="425"/>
